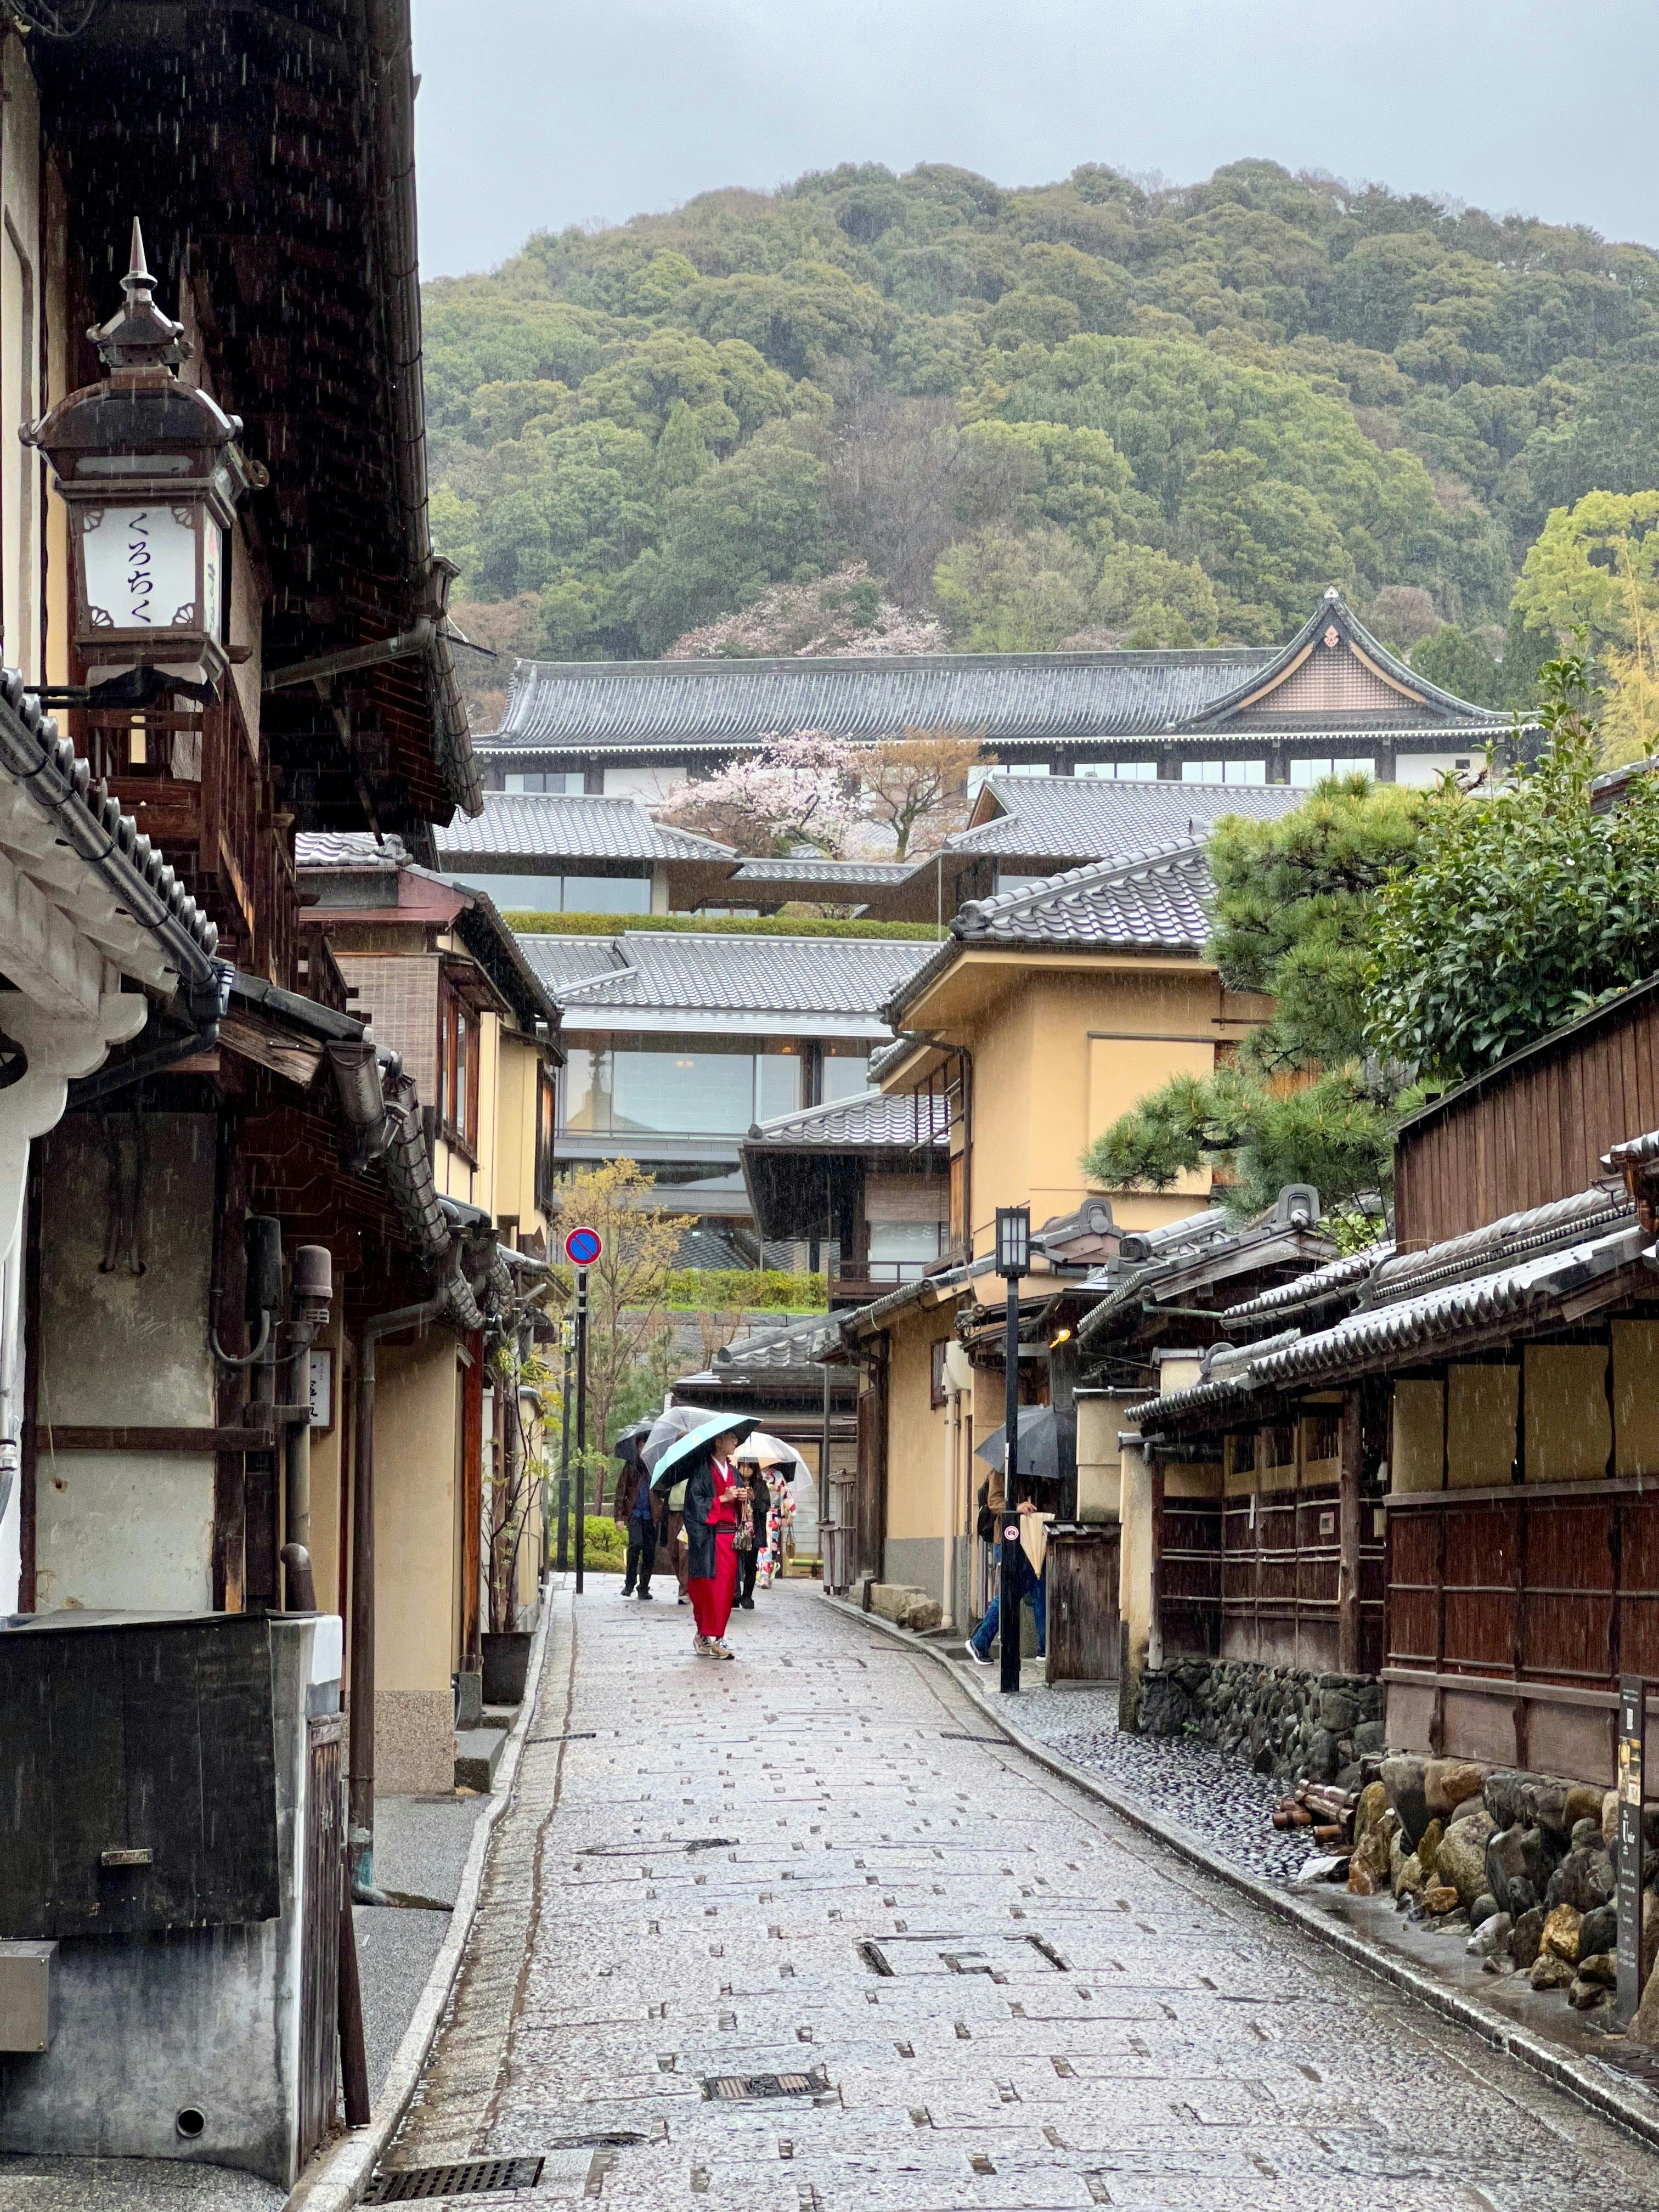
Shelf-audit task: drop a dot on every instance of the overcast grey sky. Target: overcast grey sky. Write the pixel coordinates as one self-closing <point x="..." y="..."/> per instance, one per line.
<point x="534" y="114"/>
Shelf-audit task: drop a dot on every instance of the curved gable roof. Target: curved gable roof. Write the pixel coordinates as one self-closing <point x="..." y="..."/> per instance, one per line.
<point x="1334" y="674"/>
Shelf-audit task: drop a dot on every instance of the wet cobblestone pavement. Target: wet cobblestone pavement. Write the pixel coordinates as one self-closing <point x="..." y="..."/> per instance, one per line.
<point x="993" y="1995"/>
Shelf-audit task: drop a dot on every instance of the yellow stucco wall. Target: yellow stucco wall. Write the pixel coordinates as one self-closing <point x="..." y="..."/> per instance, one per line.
<point x="1057" y="1056"/>
<point x="916" y="1430"/>
<point x="417" y="1507"/>
<point x="515" y="1132"/>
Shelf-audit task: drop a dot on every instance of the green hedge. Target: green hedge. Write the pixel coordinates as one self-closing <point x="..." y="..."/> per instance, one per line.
<point x="604" y="1542"/>
<point x="767" y="1288"/>
<point x="712" y="924"/>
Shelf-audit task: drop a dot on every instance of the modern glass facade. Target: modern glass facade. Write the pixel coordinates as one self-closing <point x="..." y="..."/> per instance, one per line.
<point x="561" y="894"/>
<point x="694" y="1086"/>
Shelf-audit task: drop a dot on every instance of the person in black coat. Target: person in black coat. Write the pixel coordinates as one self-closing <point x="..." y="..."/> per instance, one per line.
<point x="760" y="1492"/>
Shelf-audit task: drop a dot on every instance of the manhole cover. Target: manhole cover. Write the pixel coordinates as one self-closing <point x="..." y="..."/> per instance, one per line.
<point x="728" y="2088"/>
<point x="414" y="2185"/>
<point x="958" y="1954"/>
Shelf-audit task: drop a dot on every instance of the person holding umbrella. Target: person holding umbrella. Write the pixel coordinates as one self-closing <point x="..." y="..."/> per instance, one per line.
<point x="1047" y="1440"/>
<point x="771" y="1464"/>
<point x="703" y="1456"/>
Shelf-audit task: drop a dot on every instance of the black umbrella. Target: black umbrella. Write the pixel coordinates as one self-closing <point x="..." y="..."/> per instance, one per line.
<point x="1048" y="1445"/>
<point x="627" y="1444"/>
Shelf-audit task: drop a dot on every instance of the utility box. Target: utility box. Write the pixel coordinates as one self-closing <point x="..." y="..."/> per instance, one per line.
<point x="171" y="1832"/>
<point x="28" y="1997"/>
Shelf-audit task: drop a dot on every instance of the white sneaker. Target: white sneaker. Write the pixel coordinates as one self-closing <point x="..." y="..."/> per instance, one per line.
<point x="981" y="1658"/>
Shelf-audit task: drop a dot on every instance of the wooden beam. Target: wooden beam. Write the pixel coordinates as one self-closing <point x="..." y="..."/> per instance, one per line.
<point x="1347" y="1573"/>
<point x="54" y="1436"/>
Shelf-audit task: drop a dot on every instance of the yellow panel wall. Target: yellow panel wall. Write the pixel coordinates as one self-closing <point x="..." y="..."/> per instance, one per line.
<point x="1635" y="1400"/>
<point x="1058" y="1055"/>
<point x="1480" y="1426"/>
<point x="918" y="1434"/>
<point x="1418" y="1453"/>
<point x="417" y="1504"/>
<point x="1569" y="1427"/>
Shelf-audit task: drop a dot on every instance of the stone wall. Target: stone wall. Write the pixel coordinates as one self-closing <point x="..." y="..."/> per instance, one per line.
<point x="1313" y="1726"/>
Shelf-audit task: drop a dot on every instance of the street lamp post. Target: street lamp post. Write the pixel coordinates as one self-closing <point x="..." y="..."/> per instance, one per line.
<point x="1013" y="1260"/>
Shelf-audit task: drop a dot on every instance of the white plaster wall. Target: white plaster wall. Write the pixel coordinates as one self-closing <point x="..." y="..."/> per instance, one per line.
<point x="123" y="1529"/>
<point x="11" y="1559"/>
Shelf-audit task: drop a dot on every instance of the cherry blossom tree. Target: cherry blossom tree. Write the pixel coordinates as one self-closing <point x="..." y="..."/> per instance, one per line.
<point x="799" y="790"/>
<point x="843" y="614"/>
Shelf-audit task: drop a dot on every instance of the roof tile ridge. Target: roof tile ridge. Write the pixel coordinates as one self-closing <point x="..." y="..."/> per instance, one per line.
<point x="1150" y="860"/>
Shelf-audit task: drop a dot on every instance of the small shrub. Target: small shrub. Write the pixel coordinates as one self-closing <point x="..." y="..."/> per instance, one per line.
<point x="604" y="1542"/>
<point x="767" y="1288"/>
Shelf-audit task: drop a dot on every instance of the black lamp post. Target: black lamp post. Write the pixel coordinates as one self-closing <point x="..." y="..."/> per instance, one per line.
<point x="1013" y="1260"/>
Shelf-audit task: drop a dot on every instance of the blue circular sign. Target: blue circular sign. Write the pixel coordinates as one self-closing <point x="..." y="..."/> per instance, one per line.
<point x="582" y="1246"/>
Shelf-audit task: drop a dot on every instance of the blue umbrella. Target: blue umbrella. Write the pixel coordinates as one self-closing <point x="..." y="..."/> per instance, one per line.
<point x="662" y="1454"/>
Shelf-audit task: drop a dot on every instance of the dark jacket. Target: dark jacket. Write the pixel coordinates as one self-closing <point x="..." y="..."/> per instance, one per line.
<point x="633" y="1480"/>
<point x="759" y="1493"/>
<point x="701" y="1546"/>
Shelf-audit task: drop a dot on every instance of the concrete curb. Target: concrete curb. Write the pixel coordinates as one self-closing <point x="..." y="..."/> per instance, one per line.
<point x="1640" y="2118"/>
<point x="335" y="2181"/>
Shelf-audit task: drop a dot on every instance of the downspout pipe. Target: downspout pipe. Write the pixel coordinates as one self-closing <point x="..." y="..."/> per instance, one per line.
<point x="360" y="1838"/>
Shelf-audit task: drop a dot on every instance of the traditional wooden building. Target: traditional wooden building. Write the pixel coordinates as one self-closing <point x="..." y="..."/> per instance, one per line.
<point x="1483" y="1392"/>
<point x="1046" y="1012"/>
<point x="236" y="1295"/>
<point x="1332" y="697"/>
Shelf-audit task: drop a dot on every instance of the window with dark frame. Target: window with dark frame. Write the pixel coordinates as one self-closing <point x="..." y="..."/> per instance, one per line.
<point x="546" y="1123"/>
<point x="457" y="1068"/>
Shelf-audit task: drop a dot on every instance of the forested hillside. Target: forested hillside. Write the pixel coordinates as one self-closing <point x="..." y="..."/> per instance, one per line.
<point x="1086" y="411"/>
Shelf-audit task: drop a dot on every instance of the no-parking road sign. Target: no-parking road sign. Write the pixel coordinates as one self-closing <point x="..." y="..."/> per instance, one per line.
<point x="582" y="1246"/>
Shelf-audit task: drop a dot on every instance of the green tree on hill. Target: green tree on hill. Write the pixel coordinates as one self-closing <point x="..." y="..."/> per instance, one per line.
<point x="1272" y="382"/>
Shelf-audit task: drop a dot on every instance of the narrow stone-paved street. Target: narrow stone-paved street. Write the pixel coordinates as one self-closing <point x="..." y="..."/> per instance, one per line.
<point x="818" y="1863"/>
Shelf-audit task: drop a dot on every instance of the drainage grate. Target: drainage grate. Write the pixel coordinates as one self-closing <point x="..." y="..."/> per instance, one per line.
<point x="728" y="2088"/>
<point x="414" y="2185"/>
<point x="643" y="1850"/>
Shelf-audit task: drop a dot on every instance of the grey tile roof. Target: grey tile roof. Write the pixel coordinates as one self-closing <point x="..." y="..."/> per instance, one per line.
<point x="1635" y="1152"/>
<point x="1343" y="1277"/>
<point x="762" y="1347"/>
<point x="1042" y="698"/>
<point x="1156" y="903"/>
<point x="788" y="976"/>
<point x="1075" y="817"/>
<point x="871" y="1119"/>
<point x="1331" y="622"/>
<point x="856" y="875"/>
<point x="552" y="826"/>
<point x="1472" y="1309"/>
<point x="347" y="848"/>
<point x="557" y="961"/>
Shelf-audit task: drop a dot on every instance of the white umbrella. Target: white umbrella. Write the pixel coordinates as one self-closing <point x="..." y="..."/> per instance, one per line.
<point x="772" y="1453"/>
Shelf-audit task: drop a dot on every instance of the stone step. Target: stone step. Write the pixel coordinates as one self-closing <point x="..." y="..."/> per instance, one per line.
<point x="477" y="1754"/>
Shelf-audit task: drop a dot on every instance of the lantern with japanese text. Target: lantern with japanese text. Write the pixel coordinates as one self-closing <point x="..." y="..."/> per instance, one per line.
<point x="151" y="471"/>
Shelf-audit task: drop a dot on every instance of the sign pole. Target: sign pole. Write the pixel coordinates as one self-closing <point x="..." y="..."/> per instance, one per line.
<point x="1632" y="1728"/>
<point x="1009" y="1624"/>
<point x="569" y="1338"/>
<point x="582" y="1246"/>
<point x="582" y="1421"/>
